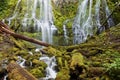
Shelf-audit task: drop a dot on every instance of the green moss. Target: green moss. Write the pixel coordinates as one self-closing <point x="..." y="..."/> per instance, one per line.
<point x="37" y="63"/>
<point x="1" y="56"/>
<point x="64" y="12"/>
<point x="37" y="73"/>
<point x="63" y="75"/>
<point x="77" y="60"/>
<point x="6" y="8"/>
<point x="114" y="70"/>
<point x="60" y="62"/>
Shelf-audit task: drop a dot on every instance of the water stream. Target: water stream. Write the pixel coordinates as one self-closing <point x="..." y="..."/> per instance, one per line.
<point x="38" y="14"/>
<point x="50" y="70"/>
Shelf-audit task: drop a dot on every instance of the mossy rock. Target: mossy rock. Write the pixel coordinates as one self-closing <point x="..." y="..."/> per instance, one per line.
<point x="37" y="73"/>
<point x="63" y="75"/>
<point x="38" y="63"/>
<point x="22" y="53"/>
<point x="77" y="60"/>
<point x="52" y="51"/>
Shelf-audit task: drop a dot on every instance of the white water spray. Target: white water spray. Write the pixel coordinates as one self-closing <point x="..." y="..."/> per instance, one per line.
<point x="82" y="26"/>
<point x="84" y="22"/>
<point x="50" y="70"/>
<point x="97" y="13"/>
<point x="21" y="61"/>
<point x="38" y="15"/>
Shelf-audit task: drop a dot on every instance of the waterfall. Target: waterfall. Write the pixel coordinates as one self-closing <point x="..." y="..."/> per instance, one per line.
<point x="107" y="11"/>
<point x="65" y="32"/>
<point x="97" y="13"/>
<point x="82" y="26"/>
<point x="43" y="22"/>
<point x="84" y="22"/>
<point x="46" y="21"/>
<point x="37" y="15"/>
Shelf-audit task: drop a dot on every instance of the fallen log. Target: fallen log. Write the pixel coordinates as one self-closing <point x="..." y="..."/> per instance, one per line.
<point x="16" y="72"/>
<point x="5" y="29"/>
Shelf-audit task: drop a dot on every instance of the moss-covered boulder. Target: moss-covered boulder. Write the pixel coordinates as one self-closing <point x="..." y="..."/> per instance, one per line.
<point x="77" y="60"/>
<point x="63" y="74"/>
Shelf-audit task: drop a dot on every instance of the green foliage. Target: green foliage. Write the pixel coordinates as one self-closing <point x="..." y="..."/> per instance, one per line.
<point x="114" y="70"/>
<point x="63" y="75"/>
<point x="66" y="11"/>
<point x="37" y="72"/>
<point x="77" y="59"/>
<point x="112" y="4"/>
<point x="3" y="6"/>
<point x="6" y="8"/>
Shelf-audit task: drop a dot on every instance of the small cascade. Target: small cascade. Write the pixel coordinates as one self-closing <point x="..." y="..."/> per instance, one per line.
<point x="66" y="41"/>
<point x="84" y="22"/>
<point x="5" y="77"/>
<point x="21" y="61"/>
<point x="65" y="32"/>
<point x="50" y="70"/>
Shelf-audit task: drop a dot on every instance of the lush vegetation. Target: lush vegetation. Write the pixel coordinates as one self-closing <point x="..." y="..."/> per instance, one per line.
<point x="96" y="59"/>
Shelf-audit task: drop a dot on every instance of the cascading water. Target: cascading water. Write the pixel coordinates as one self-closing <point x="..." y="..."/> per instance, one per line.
<point x="50" y="70"/>
<point x="37" y="14"/>
<point x="66" y="41"/>
<point x="83" y="24"/>
<point x="84" y="21"/>
<point x="65" y="33"/>
<point x="21" y="61"/>
<point x="107" y="11"/>
<point x="44" y="21"/>
<point x="97" y="13"/>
